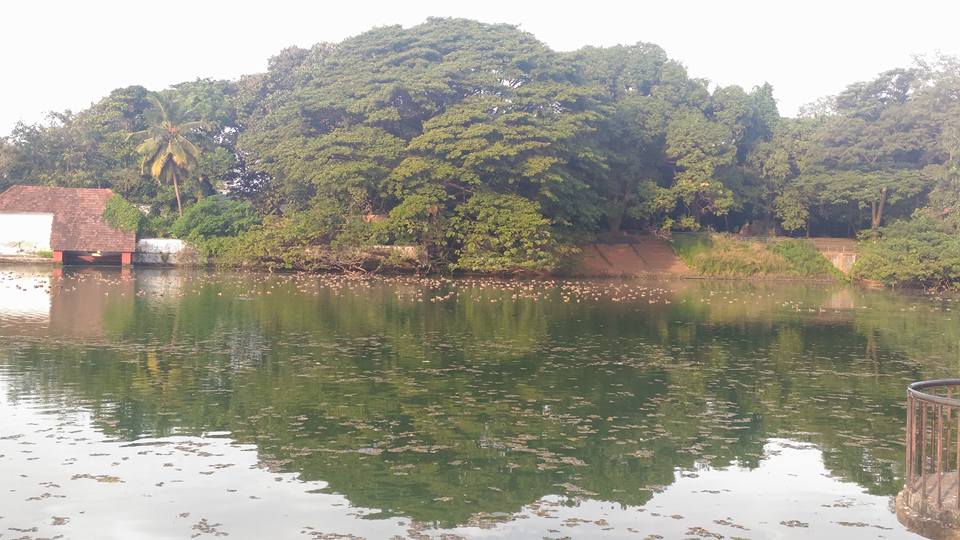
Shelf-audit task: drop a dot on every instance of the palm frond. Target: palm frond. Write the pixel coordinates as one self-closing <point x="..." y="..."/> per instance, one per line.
<point x="183" y="156"/>
<point x="157" y="165"/>
<point x="160" y="107"/>
<point x="190" y="148"/>
<point x="138" y="134"/>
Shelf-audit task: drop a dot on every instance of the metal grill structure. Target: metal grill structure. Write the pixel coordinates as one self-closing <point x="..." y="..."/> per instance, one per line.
<point x="931" y="493"/>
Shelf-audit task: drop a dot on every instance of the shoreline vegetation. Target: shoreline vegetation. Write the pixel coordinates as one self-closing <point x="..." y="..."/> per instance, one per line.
<point x="485" y="152"/>
<point x="725" y="256"/>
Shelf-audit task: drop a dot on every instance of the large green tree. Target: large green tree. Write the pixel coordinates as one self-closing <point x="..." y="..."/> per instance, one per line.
<point x="640" y="87"/>
<point x="871" y="151"/>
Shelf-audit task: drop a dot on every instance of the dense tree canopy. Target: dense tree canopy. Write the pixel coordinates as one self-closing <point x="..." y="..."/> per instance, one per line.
<point x="406" y="135"/>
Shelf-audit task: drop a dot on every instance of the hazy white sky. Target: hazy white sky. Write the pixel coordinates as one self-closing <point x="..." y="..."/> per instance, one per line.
<point x="57" y="55"/>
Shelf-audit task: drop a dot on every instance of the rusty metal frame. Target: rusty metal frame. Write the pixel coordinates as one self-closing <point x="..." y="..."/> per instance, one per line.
<point x="936" y="399"/>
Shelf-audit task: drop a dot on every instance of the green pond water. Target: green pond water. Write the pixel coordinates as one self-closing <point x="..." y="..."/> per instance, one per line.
<point x="169" y="404"/>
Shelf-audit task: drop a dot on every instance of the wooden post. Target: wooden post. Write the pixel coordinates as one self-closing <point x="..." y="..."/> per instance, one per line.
<point x="126" y="258"/>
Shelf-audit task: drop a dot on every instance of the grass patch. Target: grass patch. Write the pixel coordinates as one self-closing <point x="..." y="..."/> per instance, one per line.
<point x="690" y="246"/>
<point x="724" y="255"/>
<point x="804" y="259"/>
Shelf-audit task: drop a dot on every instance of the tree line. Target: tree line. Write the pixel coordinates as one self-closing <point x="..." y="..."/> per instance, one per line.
<point x="494" y="152"/>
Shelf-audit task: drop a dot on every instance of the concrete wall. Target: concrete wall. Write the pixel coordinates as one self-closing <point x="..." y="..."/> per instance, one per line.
<point x="841" y="252"/>
<point x="165" y="252"/>
<point x="24" y="233"/>
<point x="842" y="260"/>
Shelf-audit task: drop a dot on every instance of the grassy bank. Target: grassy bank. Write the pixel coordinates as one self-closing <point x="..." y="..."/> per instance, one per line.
<point x="724" y="255"/>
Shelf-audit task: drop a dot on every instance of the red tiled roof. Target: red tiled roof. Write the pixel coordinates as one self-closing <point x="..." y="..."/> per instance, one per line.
<point x="78" y="223"/>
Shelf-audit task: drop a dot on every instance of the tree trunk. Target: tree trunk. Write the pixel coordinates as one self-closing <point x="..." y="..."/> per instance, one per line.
<point x="876" y="213"/>
<point x="615" y="215"/>
<point x="176" y="190"/>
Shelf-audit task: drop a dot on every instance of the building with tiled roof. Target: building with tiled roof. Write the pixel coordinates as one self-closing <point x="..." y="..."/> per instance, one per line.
<point x="75" y="217"/>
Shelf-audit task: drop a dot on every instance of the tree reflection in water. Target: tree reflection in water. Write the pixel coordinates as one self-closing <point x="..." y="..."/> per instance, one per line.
<point x="441" y="401"/>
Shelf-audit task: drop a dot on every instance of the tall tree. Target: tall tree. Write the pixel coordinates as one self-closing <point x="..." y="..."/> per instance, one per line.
<point x="700" y="148"/>
<point x="167" y="152"/>
<point x="632" y="134"/>
<point x="871" y="151"/>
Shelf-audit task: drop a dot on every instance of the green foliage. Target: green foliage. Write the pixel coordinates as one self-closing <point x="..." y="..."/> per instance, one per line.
<point x="700" y="148"/>
<point x="922" y="251"/>
<point x="803" y="258"/>
<point x="122" y="215"/>
<point x="319" y="238"/>
<point x="502" y="233"/>
<point x="211" y="224"/>
<point x="414" y="123"/>
<point x="216" y="216"/>
<point x="689" y="246"/>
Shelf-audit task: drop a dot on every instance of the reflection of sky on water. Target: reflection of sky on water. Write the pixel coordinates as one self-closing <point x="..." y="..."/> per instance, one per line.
<point x="24" y="296"/>
<point x="305" y="365"/>
<point x="178" y="486"/>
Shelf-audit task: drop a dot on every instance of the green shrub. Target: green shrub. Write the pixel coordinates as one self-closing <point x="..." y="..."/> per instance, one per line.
<point x="213" y="223"/>
<point x="157" y="225"/>
<point x="216" y="217"/>
<point x="922" y="251"/>
<point x="122" y="215"/>
<point x="315" y="239"/>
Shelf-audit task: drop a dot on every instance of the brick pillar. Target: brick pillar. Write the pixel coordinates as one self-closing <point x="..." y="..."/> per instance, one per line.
<point x="126" y="258"/>
<point x="58" y="256"/>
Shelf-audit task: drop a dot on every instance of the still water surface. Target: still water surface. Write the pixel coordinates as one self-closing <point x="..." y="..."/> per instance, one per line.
<point x="169" y="404"/>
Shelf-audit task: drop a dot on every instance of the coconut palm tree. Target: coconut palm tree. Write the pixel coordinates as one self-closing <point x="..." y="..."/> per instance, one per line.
<point x="167" y="152"/>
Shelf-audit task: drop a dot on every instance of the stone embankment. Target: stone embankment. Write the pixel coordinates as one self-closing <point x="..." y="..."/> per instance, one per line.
<point x="639" y="256"/>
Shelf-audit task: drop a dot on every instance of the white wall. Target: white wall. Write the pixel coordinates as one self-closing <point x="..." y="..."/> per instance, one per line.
<point x="23" y="233"/>
<point x="164" y="251"/>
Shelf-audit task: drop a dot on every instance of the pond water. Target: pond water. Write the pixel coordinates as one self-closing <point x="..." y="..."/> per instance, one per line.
<point x="169" y="404"/>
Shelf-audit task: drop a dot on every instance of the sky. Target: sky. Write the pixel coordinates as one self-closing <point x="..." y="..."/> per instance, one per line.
<point x="57" y="55"/>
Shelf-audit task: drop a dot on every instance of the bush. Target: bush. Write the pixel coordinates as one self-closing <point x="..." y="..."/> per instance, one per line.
<point x="122" y="215"/>
<point x="689" y="246"/>
<point x="212" y="224"/>
<point x="922" y="251"/>
<point x="732" y="257"/>
<point x="316" y="239"/>
<point x="216" y="217"/>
